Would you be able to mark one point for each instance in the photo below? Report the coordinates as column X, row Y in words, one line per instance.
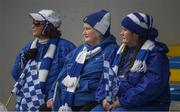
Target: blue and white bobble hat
column 100, row 21
column 140, row 24
column 47, row 15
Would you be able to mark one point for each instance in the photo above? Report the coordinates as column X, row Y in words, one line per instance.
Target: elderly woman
column 140, row 72
column 39, row 62
column 80, row 77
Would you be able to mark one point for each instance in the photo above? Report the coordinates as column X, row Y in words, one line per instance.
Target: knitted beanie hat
column 100, row 21
column 140, row 24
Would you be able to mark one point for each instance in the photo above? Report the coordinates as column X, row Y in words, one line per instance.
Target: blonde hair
column 100, row 36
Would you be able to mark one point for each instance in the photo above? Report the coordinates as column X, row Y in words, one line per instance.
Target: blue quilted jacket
column 144, row 91
column 62, row 49
column 91, row 73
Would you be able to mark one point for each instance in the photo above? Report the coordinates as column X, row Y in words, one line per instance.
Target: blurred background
column 15, row 25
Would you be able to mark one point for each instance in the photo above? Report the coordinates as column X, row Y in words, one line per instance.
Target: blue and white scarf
column 73, row 76
column 111, row 76
column 28, row 88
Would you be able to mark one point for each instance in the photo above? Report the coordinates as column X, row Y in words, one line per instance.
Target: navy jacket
column 145, row 90
column 62, row 49
column 91, row 73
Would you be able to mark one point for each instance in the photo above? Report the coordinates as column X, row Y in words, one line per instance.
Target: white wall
column 15, row 25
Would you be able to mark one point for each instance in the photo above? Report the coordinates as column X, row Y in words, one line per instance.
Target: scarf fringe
column 139, row 66
column 71, row 83
column 65, row 108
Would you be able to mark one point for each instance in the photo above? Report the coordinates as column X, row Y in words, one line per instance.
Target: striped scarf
column 73, row 76
column 28, row 88
column 111, row 76
column 45, row 64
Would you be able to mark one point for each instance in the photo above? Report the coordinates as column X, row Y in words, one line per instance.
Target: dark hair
column 141, row 41
column 52, row 31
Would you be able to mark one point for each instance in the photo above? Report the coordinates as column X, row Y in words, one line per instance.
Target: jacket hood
column 160, row 47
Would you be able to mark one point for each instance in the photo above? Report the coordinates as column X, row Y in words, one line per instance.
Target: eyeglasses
column 38, row 23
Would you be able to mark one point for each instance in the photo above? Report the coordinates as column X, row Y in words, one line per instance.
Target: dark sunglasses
column 38, row 23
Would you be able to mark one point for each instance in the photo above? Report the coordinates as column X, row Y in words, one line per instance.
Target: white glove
column 65, row 108
column 70, row 82
column 2, row 108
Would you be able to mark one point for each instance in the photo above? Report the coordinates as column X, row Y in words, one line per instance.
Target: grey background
column 15, row 25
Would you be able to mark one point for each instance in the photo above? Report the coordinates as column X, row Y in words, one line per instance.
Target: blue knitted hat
column 140, row 24
column 100, row 21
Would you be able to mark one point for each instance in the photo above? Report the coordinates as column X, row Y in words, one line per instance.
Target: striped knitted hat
column 141, row 24
column 100, row 21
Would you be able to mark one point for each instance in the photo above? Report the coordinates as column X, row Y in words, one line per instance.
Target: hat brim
column 36, row 17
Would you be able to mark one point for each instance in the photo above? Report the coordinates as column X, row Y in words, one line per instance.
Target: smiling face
column 37, row 28
column 91, row 36
column 128, row 37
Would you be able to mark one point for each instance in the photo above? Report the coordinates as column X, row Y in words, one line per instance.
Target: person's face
column 91, row 36
column 37, row 28
column 128, row 37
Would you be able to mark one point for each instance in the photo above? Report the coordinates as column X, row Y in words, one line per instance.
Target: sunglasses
column 38, row 23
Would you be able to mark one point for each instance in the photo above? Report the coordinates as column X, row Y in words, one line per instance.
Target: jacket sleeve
column 67, row 60
column 51, row 92
column 100, row 92
column 150, row 86
column 19, row 63
column 58, row 66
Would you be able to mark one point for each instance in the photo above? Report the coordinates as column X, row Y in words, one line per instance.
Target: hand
column 49, row 103
column 115, row 105
column 30, row 54
column 70, row 82
column 107, row 106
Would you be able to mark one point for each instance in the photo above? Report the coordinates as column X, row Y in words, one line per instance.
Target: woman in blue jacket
column 139, row 77
column 80, row 77
column 39, row 62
